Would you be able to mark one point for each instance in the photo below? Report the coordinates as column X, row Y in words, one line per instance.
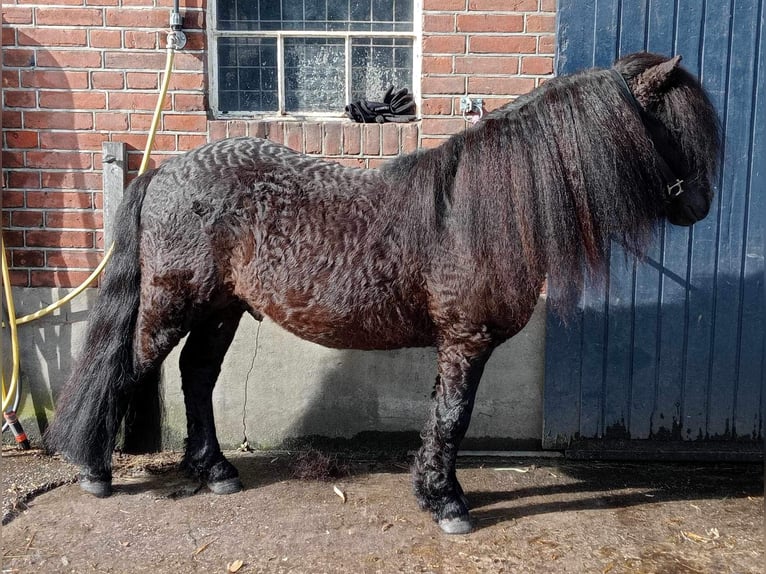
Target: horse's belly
column 392, row 327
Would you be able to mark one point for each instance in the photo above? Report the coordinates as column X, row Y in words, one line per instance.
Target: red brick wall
column 77, row 73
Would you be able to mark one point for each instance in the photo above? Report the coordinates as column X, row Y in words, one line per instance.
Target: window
column 307, row 57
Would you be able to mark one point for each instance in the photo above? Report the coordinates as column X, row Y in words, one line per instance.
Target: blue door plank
column 748, row 417
column 724, row 372
column 606, row 32
column 593, row 351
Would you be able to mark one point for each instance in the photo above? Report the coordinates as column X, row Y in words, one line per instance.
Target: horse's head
column 683, row 128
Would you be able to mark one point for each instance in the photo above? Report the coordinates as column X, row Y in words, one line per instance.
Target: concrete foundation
column 291, row 389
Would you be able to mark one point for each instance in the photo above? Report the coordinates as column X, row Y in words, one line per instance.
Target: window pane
column 247, row 74
column 314, row 74
column 376, row 64
column 315, row 15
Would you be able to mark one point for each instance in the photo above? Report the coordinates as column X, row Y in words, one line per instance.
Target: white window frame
column 213, row 34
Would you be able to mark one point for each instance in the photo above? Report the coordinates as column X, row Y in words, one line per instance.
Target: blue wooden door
column 671, row 350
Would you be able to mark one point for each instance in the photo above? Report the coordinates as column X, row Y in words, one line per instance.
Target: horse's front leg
column 435, row 482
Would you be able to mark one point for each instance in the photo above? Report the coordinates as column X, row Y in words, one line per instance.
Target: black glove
column 397, row 106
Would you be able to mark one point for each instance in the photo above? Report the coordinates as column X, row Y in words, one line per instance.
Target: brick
column 490, row 23
column 431, row 142
column 332, row 138
column 188, row 142
column 546, row 44
column 128, row 60
column 451, row 44
column 102, row 2
column 74, row 220
column 371, row 139
column 68, row 59
column 18, row 58
column 236, row 128
column 188, row 62
column 69, row 17
column 189, row 103
column 258, row 129
column 352, row 139
column 72, row 140
column 505, row 5
column 500, row 85
column 437, row 64
column 45, row 238
column 10, row 79
column 312, row 132
column 78, row 180
column 107, row 80
column 20, row 179
column 436, row 107
column 21, row 139
column 164, row 142
column 142, row 17
column 140, row 39
column 53, row 79
column 195, row 41
column 409, row 137
column 9, row 36
column 294, row 135
column 181, row 81
column 64, row 278
column 140, row 121
column 27, row 218
column 503, row 44
column 548, row 6
column 54, row 120
column 73, row 100
column 25, row 99
column 13, row 159
column 495, row 103
column 142, row 80
column 446, row 5
column 145, row 101
column 443, row 85
column 74, row 259
column 276, row 132
column 487, row 65
column 536, row 65
column 59, row 160
column 390, row 139
column 105, row 38
column 112, row 121
column 442, row 126
column 216, row 130
column 438, row 23
column 52, row 37
column 540, row 23
column 17, row 15
column 28, row 258
column 13, row 238
column 185, row 123
column 20, row 278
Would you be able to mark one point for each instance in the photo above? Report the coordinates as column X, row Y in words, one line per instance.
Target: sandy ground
column 531, row 515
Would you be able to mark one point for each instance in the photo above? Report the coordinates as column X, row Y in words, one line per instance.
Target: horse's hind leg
column 436, row 487
column 201, row 360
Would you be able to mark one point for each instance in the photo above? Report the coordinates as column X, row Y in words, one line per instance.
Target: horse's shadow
column 603, row 486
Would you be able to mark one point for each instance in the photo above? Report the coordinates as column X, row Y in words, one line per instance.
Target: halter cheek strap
column 675, row 188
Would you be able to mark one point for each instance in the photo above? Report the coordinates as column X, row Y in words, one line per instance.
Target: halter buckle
column 676, row 189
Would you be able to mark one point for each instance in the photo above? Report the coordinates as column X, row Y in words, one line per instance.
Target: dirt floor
column 531, row 515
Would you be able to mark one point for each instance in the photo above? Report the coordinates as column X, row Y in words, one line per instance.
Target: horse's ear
column 652, row 82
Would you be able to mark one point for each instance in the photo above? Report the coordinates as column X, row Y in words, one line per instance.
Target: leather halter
column 672, row 189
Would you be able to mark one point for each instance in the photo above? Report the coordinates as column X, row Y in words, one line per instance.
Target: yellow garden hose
column 10, row 393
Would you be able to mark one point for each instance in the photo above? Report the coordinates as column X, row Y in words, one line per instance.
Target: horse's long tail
column 94, row 399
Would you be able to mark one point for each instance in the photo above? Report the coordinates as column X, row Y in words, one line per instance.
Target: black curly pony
column 447, row 247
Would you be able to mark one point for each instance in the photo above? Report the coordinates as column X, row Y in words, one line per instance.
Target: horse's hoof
column 228, row 486
column 98, row 488
column 458, row 525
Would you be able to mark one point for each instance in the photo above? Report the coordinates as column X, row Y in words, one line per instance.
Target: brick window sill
column 345, row 141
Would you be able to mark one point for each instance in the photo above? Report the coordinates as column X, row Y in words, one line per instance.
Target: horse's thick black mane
column 556, row 174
